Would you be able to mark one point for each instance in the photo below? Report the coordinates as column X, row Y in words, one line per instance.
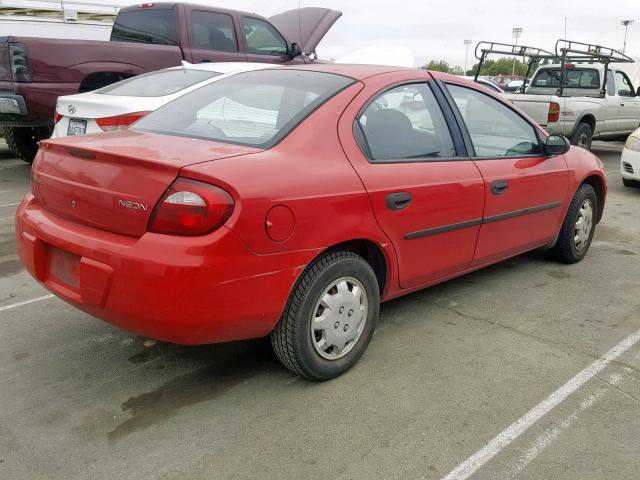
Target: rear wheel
column 330, row 317
column 630, row 183
column 578, row 226
column 582, row 136
column 23, row 141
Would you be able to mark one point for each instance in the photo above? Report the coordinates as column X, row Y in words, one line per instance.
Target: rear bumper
column 630, row 164
column 188, row 290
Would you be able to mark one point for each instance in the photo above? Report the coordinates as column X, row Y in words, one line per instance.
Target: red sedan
column 290, row 202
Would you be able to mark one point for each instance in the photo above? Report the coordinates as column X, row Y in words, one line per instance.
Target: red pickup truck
column 34, row 72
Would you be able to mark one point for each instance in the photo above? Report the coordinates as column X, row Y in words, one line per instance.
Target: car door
column 263, row 43
column 213, row 37
column 427, row 196
column 629, row 110
column 524, row 190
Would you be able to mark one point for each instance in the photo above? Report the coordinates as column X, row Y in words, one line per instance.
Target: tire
column 630, row 183
column 575, row 237
column 23, row 141
column 295, row 341
column 582, row 136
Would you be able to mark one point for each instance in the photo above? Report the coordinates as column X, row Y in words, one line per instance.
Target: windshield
column 155, row 25
column 256, row 108
column 576, row 78
column 158, row 84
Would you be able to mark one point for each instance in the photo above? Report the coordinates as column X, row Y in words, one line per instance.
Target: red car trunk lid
column 113, row 181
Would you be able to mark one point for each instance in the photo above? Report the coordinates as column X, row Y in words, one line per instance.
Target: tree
column 501, row 66
column 437, row 66
column 457, row 70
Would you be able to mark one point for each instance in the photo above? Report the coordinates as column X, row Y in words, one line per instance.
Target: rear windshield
column 576, row 78
column 158, row 84
column 146, row 26
column 256, row 108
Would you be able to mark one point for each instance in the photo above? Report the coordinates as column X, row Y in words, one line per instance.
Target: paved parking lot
column 448, row 370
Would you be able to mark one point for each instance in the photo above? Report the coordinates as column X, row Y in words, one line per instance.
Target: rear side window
column 214, row 31
column 405, row 123
column 576, row 78
column 158, row 84
column 256, row 108
column 156, row 26
column 262, row 38
column 495, row 129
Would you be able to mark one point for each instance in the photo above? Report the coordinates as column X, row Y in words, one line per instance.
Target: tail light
column 190, row 207
column 19, row 62
column 57, row 117
column 109, row 124
column 554, row 112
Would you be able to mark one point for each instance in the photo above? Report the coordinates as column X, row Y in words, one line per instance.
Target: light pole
column 466, row 54
column 515, row 32
column 625, row 24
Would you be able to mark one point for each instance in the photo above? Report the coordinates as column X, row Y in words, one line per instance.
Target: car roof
column 355, row 71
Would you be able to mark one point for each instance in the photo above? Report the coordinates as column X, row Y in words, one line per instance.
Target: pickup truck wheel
column 582, row 136
column 23, row 141
column 630, row 183
column 578, row 226
column 330, row 317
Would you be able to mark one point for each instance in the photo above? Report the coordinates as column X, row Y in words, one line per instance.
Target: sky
column 436, row 29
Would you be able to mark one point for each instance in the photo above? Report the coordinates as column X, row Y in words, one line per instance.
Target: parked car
column 516, row 85
column 291, row 201
column 487, row 83
column 118, row 105
column 581, row 113
column 630, row 161
column 34, row 72
column 503, row 80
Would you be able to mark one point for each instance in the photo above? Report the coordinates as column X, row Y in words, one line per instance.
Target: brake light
column 119, row 122
column 569, row 65
column 19, row 62
column 190, row 207
column 554, row 112
column 57, row 117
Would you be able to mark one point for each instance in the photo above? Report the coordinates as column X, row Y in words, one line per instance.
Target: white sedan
column 630, row 161
column 119, row 105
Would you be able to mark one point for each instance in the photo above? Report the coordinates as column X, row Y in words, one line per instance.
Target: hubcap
column 583, row 225
column 339, row 318
column 583, row 141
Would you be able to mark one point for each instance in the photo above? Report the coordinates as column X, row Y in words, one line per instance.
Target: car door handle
column 622, row 104
column 498, row 187
column 398, row 200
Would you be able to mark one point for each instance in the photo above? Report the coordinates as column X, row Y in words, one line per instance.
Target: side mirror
column 556, row 145
column 295, row 50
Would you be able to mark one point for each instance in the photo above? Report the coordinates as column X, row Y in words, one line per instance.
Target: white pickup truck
column 584, row 110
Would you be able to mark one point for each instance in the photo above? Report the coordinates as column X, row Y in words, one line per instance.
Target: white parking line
column 517, row 428
column 25, row 302
column 10, row 204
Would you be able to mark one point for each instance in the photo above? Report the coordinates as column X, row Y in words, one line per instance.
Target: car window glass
column 146, row 26
column 625, row 89
column 404, row 123
column 575, row 78
column 255, row 108
column 214, row 31
column 495, row 129
column 262, row 38
column 158, row 84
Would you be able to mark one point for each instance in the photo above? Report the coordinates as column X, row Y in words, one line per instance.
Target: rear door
column 524, row 190
column 426, row 194
column 213, row 37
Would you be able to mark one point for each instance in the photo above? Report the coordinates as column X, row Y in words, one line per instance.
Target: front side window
column 495, row 129
column 214, row 31
column 262, row 38
column 158, row 84
column 156, row 26
column 405, row 123
column 625, row 89
column 575, row 78
column 256, row 108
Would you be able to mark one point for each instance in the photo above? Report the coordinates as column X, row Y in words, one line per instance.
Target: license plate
column 77, row 126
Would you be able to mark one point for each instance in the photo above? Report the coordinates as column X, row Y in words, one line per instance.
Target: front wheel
column 578, row 226
column 330, row 317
